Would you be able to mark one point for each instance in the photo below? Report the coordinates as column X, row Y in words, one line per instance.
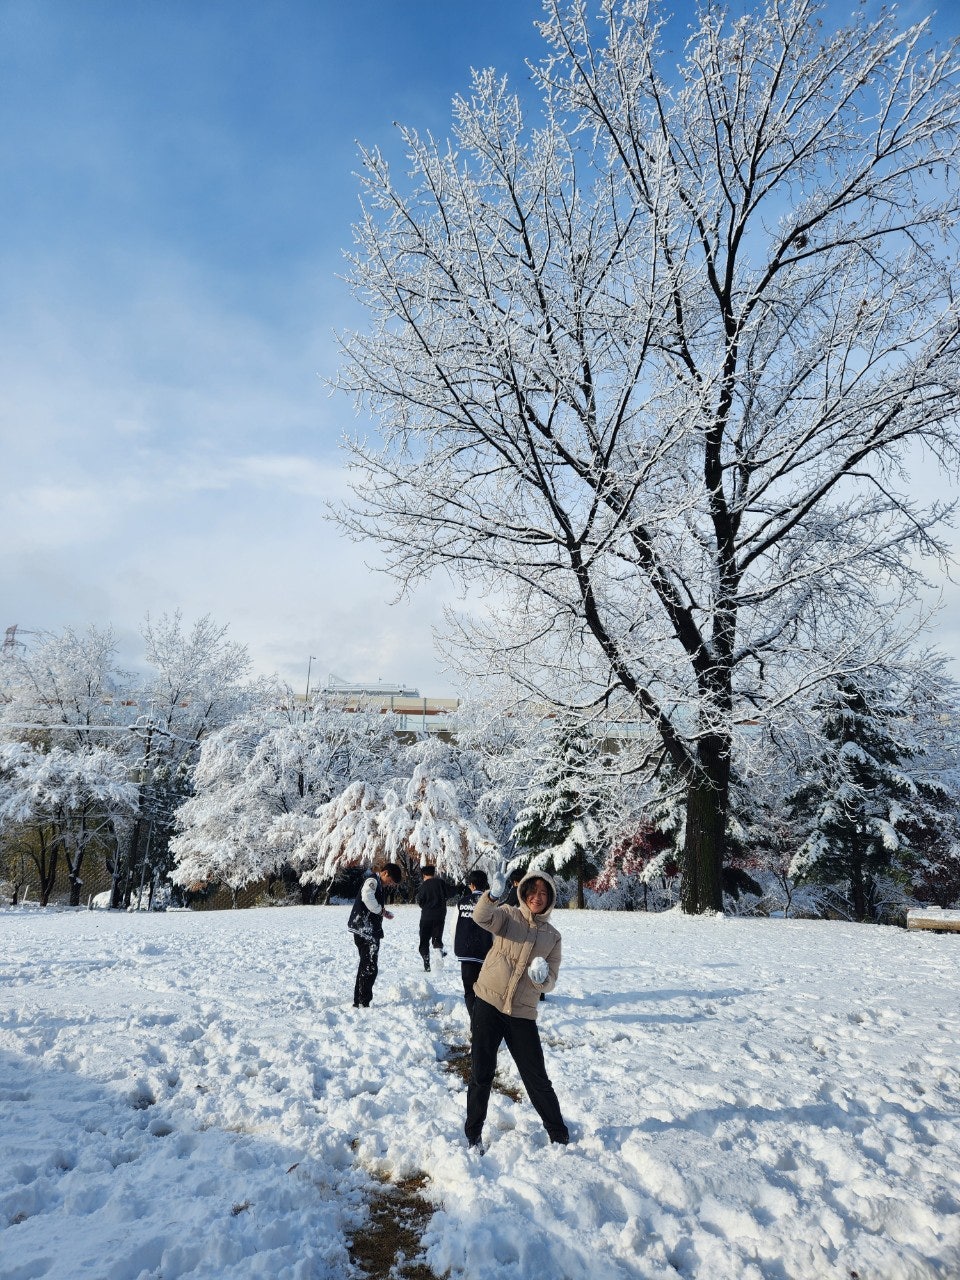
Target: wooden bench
column 938, row 918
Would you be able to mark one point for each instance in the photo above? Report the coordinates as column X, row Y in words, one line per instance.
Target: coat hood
column 548, row 881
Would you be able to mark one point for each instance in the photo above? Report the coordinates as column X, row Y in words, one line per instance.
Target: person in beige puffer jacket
column 522, row 963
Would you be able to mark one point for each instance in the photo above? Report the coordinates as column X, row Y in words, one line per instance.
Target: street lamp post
column 309, row 665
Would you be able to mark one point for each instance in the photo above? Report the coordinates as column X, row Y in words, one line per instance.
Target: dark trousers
column 469, row 972
column 490, row 1027
column 367, row 969
column 431, row 932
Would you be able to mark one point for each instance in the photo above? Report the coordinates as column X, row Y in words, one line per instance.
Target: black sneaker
column 476, row 1145
column 562, row 1139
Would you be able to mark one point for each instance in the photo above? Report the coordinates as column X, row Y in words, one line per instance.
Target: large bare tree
column 651, row 372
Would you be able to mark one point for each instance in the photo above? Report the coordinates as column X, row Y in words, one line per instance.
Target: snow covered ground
column 193, row 1095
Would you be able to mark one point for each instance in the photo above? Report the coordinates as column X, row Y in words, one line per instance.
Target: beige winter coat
column 518, row 937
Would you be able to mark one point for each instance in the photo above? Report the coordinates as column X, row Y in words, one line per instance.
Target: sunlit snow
column 192, row 1094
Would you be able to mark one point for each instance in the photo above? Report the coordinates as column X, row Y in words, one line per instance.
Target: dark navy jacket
column 470, row 942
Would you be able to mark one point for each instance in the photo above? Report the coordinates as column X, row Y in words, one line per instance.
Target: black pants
column 490, row 1027
column 367, row 969
column 431, row 933
column 469, row 972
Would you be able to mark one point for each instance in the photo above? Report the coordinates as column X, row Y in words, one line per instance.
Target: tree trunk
column 73, row 874
column 857, row 886
column 75, row 862
column 122, row 880
column 46, row 866
column 706, row 823
column 123, row 876
column 18, row 877
column 120, row 865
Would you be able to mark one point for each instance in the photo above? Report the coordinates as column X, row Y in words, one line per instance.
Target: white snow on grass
column 192, row 1094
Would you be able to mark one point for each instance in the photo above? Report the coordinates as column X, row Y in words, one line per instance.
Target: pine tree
column 858, row 799
column 558, row 821
column 932, row 703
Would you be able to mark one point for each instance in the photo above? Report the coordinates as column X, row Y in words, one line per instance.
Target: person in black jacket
column 366, row 924
column 510, row 898
column 470, row 942
column 432, row 901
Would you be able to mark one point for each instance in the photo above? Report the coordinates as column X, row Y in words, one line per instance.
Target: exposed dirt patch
column 457, row 1061
column 388, row 1247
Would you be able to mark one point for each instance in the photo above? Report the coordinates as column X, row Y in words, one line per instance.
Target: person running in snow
column 366, row 925
column 432, row 901
column 523, row 961
column 470, row 942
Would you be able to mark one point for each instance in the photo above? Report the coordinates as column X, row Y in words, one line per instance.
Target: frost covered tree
column 259, row 782
column 766, row 835
column 424, row 817
column 498, row 737
column 651, row 370
column 66, row 783
column 864, row 797
column 468, row 797
column 68, row 688
column 196, row 682
column 70, row 801
column 423, row 822
column 345, row 832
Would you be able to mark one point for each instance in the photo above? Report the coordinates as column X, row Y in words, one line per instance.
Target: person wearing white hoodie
column 522, row 964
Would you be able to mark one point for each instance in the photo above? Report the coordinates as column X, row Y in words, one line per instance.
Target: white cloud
column 278, row 473
column 167, row 440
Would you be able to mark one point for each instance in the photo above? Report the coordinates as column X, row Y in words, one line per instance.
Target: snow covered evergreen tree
column 763, row 835
column 861, row 804
column 557, row 826
column 931, row 720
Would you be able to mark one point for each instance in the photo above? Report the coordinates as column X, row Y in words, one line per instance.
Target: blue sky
column 178, row 188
